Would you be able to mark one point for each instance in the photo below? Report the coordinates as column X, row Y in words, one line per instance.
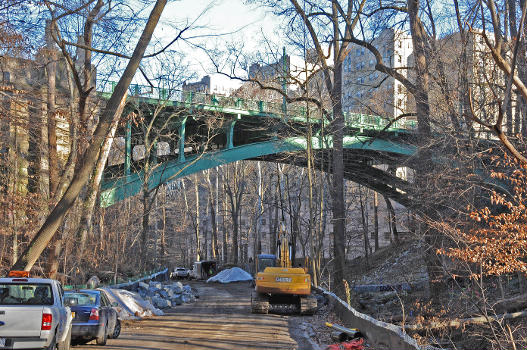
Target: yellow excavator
column 280, row 285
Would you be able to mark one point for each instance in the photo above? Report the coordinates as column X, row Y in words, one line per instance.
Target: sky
column 224, row 20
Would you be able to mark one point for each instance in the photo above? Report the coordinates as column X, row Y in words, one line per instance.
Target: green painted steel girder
column 114, row 191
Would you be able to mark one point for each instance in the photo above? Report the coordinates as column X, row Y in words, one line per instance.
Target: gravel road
column 219, row 319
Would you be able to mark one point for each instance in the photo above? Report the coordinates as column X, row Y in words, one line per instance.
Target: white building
column 368, row 91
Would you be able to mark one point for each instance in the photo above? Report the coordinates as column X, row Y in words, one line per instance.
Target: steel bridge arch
column 115, row 190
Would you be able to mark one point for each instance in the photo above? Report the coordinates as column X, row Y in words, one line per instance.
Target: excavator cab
column 265, row 260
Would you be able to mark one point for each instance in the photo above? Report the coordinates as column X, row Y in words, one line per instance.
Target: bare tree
column 113, row 110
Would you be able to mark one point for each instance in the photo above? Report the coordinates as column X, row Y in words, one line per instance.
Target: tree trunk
column 214, row 242
column 198, row 242
column 52, row 124
column 224, row 229
column 339, row 209
column 112, row 110
column 376, row 219
column 424, row 156
column 91, row 197
column 145, row 223
column 392, row 220
column 364, row 219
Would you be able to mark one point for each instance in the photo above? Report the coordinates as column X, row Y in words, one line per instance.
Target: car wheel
column 116, row 330
column 102, row 338
column 66, row 344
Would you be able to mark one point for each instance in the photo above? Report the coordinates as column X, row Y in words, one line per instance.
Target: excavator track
column 308, row 305
column 259, row 303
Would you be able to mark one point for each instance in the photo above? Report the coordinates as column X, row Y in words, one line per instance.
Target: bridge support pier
column 230, row 133
column 181, row 156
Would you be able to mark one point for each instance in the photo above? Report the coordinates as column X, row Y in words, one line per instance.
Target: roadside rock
column 163, row 296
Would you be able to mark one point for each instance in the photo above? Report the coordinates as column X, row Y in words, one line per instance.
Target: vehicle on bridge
column 94, row 317
column 32, row 313
column 279, row 284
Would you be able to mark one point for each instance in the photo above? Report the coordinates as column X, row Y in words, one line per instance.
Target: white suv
column 180, row 272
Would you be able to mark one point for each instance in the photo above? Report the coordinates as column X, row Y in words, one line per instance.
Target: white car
column 32, row 314
column 181, row 272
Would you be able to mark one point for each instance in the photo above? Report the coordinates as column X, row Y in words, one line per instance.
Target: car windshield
column 80, row 299
column 180, row 269
column 26, row 294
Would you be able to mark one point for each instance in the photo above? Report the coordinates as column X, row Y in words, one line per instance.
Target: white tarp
column 231, row 275
column 132, row 305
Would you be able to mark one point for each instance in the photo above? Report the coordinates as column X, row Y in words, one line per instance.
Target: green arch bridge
column 200, row 131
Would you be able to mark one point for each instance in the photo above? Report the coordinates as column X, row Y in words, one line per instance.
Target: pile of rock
column 164, row 296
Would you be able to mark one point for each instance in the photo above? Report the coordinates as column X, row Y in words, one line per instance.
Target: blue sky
column 230, row 18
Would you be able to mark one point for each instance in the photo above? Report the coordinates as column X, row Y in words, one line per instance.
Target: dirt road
column 220, row 319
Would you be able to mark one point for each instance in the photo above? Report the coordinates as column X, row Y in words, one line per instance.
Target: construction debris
column 163, row 296
column 150, row 298
column 355, row 344
column 345, row 333
column 231, row 275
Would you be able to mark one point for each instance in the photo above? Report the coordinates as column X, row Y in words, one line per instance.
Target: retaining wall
column 378, row 333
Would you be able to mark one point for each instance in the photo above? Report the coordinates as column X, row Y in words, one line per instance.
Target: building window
column 6, row 77
column 372, row 63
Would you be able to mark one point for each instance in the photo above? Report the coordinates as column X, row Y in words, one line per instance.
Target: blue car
column 93, row 316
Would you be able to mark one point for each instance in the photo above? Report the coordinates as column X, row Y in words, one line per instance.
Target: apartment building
column 468, row 68
column 368, row 91
column 216, row 84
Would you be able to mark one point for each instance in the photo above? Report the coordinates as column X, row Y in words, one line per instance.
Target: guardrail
column 123, row 282
column 220, row 102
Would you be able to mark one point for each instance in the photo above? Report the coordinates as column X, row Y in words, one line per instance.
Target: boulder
column 156, row 285
column 143, row 285
column 177, row 287
column 177, row 299
column 160, row 302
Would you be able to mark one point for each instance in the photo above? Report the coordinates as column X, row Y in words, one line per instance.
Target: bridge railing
column 377, row 122
column 191, row 98
column 200, row 98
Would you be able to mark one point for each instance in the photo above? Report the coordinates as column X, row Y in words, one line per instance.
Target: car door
column 61, row 312
column 111, row 315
